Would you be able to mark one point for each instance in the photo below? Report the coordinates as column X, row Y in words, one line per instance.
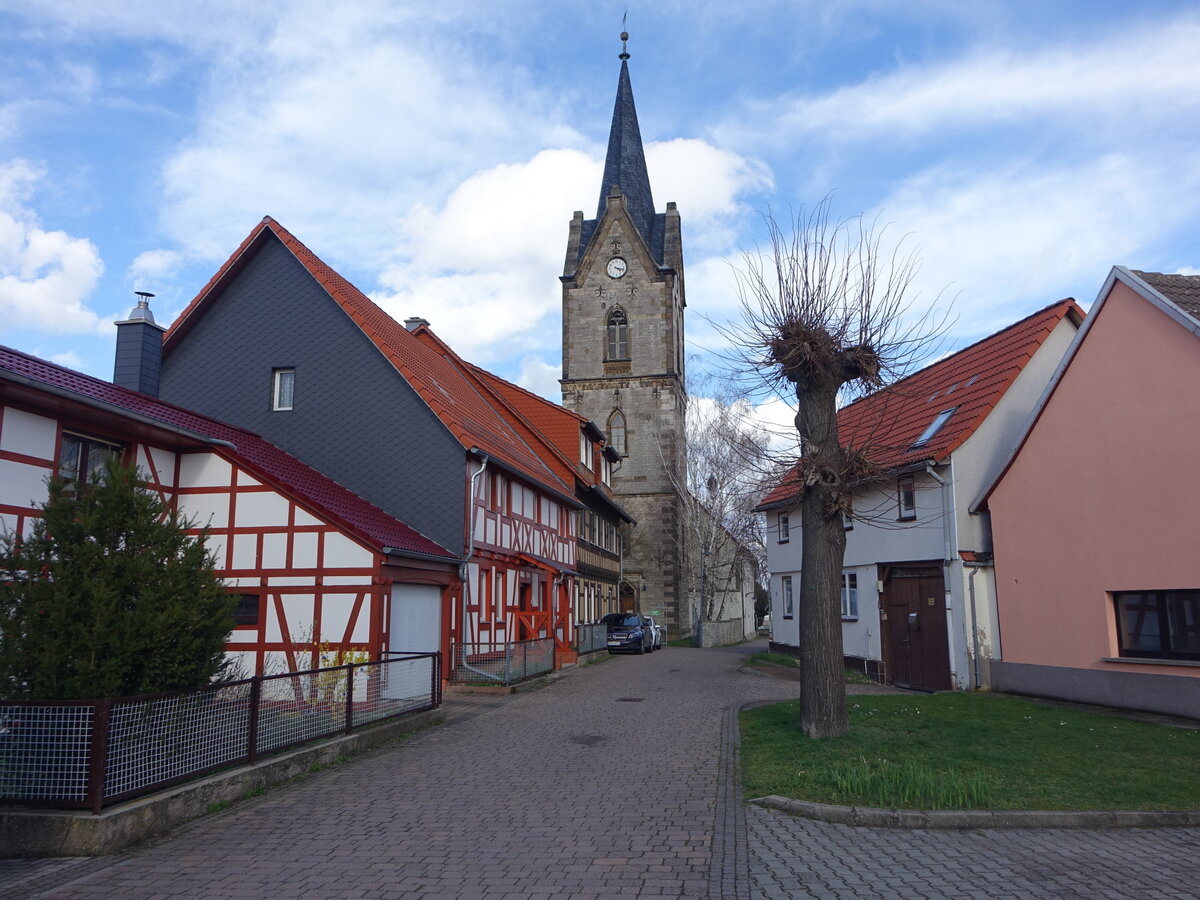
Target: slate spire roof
column 889, row 424
column 625, row 164
column 320, row 493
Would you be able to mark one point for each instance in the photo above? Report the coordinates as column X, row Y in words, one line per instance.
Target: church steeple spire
column 625, row 164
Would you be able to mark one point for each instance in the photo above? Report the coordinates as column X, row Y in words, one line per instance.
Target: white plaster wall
column 205, row 510
column 303, row 518
column 879, row 536
column 274, row 550
column 981, row 456
column 204, row 470
column 335, row 613
column 261, row 509
column 22, row 484
column 28, row 434
column 245, row 551
column 343, row 553
column 304, row 550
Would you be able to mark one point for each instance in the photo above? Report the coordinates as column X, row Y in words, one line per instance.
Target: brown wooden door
column 915, row 628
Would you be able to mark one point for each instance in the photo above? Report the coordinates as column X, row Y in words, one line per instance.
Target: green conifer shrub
column 108, row 596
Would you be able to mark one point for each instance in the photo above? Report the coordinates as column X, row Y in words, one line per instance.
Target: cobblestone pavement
column 801, row 858
column 618, row 780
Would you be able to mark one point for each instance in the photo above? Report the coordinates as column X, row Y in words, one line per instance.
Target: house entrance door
column 918, row 651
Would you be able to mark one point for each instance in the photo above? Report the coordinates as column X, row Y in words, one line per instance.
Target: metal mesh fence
column 502, row 664
column 44, row 752
column 161, row 739
column 90, row 753
column 591, row 638
column 301, row 706
column 403, row 685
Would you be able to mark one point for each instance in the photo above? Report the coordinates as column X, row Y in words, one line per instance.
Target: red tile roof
column 546, row 426
column 447, row 391
column 971, row 382
column 325, row 497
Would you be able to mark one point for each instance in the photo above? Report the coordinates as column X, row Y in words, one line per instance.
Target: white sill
column 1147, row 661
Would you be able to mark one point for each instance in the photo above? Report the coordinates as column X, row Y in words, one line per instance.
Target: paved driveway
column 615, row 781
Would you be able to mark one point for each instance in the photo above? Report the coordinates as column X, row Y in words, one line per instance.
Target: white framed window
column 585, row 450
column 849, row 595
column 848, row 514
column 785, row 529
column 906, row 498
column 606, row 470
column 283, row 388
column 789, row 605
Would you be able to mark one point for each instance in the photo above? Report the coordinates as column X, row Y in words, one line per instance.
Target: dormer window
column 585, row 450
column 617, row 334
column 935, row 426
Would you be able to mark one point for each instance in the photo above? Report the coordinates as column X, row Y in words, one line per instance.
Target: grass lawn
column 971, row 751
column 782, row 659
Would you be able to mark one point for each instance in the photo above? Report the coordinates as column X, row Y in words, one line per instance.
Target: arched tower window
column 616, row 431
column 617, row 329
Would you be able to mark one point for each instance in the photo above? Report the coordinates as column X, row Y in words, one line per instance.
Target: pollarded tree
column 825, row 316
column 108, row 596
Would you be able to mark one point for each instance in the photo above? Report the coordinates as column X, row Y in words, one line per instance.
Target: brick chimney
column 139, row 349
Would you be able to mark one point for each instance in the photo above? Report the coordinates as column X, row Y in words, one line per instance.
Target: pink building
column 1097, row 553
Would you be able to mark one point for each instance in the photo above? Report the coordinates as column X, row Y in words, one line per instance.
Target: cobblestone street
column 615, row 781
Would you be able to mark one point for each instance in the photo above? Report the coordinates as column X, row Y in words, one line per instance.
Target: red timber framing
column 521, row 577
column 308, row 583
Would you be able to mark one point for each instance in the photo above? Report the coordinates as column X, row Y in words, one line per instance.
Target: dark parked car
column 627, row 634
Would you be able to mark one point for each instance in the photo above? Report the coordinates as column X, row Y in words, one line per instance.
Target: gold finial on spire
column 624, row 37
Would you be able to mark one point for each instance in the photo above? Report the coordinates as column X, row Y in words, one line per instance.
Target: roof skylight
column 935, row 426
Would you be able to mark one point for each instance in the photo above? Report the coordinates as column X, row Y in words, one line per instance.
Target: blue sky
column 434, row 153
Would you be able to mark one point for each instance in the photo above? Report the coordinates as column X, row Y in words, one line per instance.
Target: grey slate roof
column 1182, row 290
column 625, row 165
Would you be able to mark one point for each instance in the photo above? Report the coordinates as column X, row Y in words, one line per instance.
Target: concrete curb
column 974, row 819
column 26, row 833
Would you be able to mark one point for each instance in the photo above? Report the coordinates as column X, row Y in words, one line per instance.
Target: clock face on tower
column 616, row 267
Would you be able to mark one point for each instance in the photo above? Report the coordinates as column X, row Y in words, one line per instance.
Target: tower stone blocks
column 623, row 361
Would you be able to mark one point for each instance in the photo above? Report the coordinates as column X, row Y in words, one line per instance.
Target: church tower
column 623, row 359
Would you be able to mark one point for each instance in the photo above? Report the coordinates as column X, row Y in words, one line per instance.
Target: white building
column 918, row 605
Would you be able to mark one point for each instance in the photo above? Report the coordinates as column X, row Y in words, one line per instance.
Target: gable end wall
column 355, row 418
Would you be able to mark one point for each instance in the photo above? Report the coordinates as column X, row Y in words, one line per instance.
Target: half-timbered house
column 318, row 571
column 280, row 343
column 579, row 453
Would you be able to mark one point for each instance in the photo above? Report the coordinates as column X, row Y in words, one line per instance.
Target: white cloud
column 541, row 378
column 1011, row 240
column 483, row 269
column 68, row 358
column 153, row 265
column 340, row 122
column 708, row 184
column 45, row 276
column 1131, row 73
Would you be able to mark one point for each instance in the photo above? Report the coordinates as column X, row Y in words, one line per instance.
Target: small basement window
column 935, row 426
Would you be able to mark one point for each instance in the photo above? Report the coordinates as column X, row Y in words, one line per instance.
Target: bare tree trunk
column 822, row 676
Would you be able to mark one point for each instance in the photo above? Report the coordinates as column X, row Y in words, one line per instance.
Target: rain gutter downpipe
column 464, row 570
